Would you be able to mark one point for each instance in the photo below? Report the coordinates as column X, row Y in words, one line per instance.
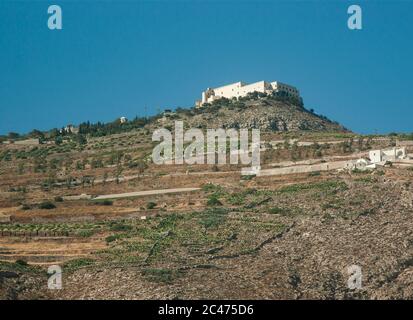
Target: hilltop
column 264, row 112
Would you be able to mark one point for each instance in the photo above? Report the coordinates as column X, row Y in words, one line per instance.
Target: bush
column 248, row 177
column 212, row 218
column 103, row 203
column 151, row 205
column 160, row 275
column 278, row 210
column 58, row 199
column 112, row 238
column 21, row 262
column 78, row 263
column 84, row 233
column 47, row 205
column 26, row 207
column 213, row 201
column 120, row 227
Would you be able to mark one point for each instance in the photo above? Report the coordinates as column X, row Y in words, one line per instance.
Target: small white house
column 123, row 119
column 387, row 155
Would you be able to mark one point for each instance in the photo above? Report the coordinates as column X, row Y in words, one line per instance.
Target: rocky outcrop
column 262, row 113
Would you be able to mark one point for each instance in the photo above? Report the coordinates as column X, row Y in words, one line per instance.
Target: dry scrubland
column 275, row 237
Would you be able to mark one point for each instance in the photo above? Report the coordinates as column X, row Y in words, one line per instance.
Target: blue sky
column 127, row 58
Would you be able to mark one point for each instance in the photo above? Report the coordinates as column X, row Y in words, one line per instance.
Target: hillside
column 94, row 205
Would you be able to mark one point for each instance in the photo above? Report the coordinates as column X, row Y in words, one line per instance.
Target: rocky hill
column 265, row 113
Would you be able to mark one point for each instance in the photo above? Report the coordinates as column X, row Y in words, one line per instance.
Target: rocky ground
column 266, row 114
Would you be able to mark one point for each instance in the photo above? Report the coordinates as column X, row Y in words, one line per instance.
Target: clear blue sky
column 127, row 58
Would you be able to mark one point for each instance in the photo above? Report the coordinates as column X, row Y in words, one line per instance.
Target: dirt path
column 144, row 193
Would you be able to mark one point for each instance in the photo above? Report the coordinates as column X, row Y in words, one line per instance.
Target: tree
column 20, row 169
column 118, row 172
column 13, row 135
column 79, row 165
column 39, row 164
column 84, row 163
column 54, row 133
column 105, row 178
column 81, row 139
column 68, row 163
column 360, row 143
column 350, row 144
column 317, row 150
column 69, row 180
column 97, row 163
column 53, row 164
column 142, row 166
column 51, row 179
column 58, row 140
column 295, row 151
column 368, row 143
column 36, row 134
column 286, row 144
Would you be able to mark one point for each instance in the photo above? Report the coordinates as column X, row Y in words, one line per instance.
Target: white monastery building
column 241, row 89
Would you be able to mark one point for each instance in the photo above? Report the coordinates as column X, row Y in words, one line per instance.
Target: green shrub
column 103, row 203
column 160, row 275
column 78, row 263
column 210, row 187
column 47, row 205
column 58, row 199
column 319, row 186
column 113, row 238
column 248, row 177
column 278, row 210
column 21, row 262
column 120, row 227
column 85, row 233
column 150, row 205
column 236, row 198
column 212, row 218
column 25, row 207
column 358, row 171
column 213, row 201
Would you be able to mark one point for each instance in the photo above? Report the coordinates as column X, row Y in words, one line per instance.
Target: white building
column 123, row 119
column 387, row 155
column 241, row 89
column 378, row 158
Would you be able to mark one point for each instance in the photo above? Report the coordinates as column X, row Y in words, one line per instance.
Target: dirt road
column 144, row 193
